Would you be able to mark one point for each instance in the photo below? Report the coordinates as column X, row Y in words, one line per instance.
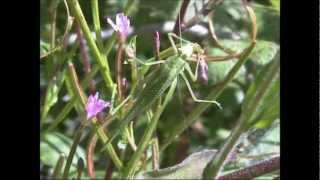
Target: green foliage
column 148, row 84
column 190, row 168
column 53, row 144
column 267, row 109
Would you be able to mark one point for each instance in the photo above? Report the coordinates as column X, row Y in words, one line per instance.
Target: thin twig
column 256, row 170
column 90, row 155
column 119, row 71
column 109, row 171
column 85, row 57
column 182, row 13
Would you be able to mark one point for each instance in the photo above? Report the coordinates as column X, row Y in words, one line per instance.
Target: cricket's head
column 197, row 49
column 189, row 49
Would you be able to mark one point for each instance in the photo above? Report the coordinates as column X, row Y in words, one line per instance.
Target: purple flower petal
column 123, row 24
column 95, row 105
column 203, row 71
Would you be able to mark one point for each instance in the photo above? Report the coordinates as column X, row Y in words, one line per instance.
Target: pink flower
column 95, row 105
column 122, row 24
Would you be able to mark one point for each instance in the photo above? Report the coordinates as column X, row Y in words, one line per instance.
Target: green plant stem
column 96, row 22
column 143, row 144
column 214, row 94
column 110, row 150
column 100, row 58
column 73, row 149
column 155, row 153
column 215, row 166
column 98, row 129
column 145, row 140
column 57, row 169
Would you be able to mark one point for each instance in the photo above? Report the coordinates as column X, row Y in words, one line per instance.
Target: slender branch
column 109, row 171
column 180, row 17
column 85, row 57
column 80, row 167
column 73, row 149
column 215, row 166
column 57, row 170
column 256, row 170
column 90, row 155
column 119, row 71
column 100, row 58
column 214, row 37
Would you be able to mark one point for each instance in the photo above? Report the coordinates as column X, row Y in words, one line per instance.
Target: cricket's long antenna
column 180, row 29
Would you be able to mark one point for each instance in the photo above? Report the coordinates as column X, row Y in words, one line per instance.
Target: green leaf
column 52, row 94
column 262, row 54
column 191, row 168
column 268, row 106
column 270, row 110
column 53, row 144
column 276, row 4
column 217, row 71
column 44, row 47
column 261, row 142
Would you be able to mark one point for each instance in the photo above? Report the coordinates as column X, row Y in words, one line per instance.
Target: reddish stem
column 85, row 57
column 119, row 71
column 90, row 155
column 263, row 167
column 182, row 13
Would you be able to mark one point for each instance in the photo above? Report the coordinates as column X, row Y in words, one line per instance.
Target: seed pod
column 203, row 71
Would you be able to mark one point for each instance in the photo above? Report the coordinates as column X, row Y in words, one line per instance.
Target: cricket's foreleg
column 194, row 76
column 193, row 95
